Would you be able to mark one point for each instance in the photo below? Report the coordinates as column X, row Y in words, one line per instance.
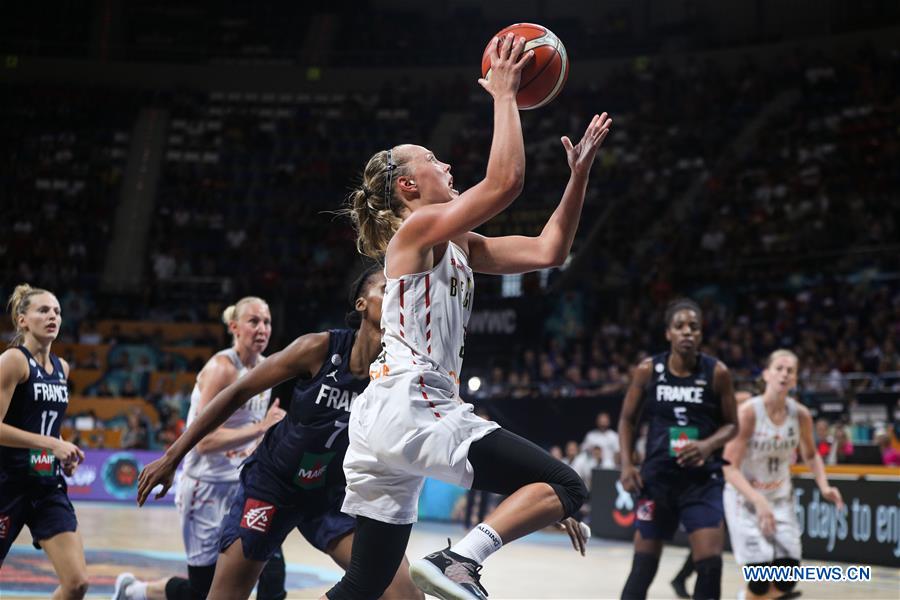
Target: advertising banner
column 113, row 475
column 865, row 531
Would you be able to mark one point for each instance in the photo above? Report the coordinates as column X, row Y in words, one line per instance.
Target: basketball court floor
column 148, row 543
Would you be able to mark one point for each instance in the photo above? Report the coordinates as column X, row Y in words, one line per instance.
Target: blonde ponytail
column 17, row 305
column 372, row 207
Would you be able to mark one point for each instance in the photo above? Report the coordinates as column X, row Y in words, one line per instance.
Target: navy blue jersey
column 680, row 409
column 38, row 406
column 306, row 450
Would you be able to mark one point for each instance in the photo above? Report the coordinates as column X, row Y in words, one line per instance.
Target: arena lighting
column 474, row 384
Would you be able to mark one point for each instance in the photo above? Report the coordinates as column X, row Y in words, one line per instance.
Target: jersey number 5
column 680, row 415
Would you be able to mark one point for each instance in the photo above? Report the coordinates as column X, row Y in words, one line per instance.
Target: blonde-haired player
column 211, row 470
column 33, row 399
column 758, row 496
column 410, row 422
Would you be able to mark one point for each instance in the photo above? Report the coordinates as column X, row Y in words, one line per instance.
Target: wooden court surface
column 543, row 565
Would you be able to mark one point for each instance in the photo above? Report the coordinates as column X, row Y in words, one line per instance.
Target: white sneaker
column 122, row 583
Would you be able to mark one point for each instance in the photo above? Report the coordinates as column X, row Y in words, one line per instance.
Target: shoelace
column 475, row 572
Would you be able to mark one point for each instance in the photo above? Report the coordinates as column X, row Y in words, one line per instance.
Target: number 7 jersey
column 680, row 410
column 37, row 406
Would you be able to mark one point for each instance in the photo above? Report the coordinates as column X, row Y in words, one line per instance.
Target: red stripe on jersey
column 402, row 292
column 427, row 290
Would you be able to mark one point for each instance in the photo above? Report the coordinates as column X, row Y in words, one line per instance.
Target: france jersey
column 680, row 410
column 32, row 489
column 294, row 479
column 306, row 449
column 37, row 406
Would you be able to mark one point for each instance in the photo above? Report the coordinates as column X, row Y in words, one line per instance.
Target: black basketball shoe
column 448, row 576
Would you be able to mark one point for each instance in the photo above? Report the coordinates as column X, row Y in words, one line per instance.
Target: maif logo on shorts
column 311, row 473
column 258, row 515
column 4, row 527
column 645, row 510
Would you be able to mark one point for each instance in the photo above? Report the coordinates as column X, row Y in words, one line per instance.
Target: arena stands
column 248, row 180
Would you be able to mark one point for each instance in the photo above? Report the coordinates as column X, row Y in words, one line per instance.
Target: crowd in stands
column 62, row 162
column 837, row 329
column 816, row 184
column 834, row 442
column 248, row 178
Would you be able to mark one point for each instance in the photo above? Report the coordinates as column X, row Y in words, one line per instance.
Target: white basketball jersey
column 226, row 466
column 771, row 450
column 424, row 318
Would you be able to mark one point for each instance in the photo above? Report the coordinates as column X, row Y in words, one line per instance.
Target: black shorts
column 692, row 497
column 265, row 511
column 44, row 507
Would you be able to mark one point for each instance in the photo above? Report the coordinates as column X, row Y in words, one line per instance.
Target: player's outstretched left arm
column 813, row 460
column 694, row 454
column 295, row 360
column 520, row 254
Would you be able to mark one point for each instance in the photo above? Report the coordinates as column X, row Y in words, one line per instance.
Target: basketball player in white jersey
column 212, row 469
column 758, row 496
column 410, row 422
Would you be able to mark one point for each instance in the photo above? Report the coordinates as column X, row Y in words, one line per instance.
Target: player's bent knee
column 709, row 577
column 643, row 570
column 76, row 587
column 571, row 490
column 758, row 588
column 786, row 586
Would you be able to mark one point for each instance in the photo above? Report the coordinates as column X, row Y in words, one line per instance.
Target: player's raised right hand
column 631, row 479
column 507, row 62
column 160, row 471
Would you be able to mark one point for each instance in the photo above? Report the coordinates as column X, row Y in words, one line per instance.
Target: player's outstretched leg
column 541, row 490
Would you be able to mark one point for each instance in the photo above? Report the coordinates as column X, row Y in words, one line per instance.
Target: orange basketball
column 545, row 75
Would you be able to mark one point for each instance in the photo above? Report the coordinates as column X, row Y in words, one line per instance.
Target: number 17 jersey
column 38, row 405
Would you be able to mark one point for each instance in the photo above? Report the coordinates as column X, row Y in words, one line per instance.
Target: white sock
column 479, row 543
column 137, row 591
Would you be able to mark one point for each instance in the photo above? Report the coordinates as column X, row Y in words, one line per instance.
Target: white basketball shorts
column 404, row 428
column 748, row 543
column 202, row 507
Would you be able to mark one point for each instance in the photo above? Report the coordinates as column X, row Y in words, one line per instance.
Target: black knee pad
column 195, row 588
column 709, row 578
column 759, row 588
column 786, row 586
column 643, row 570
column 571, row 490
